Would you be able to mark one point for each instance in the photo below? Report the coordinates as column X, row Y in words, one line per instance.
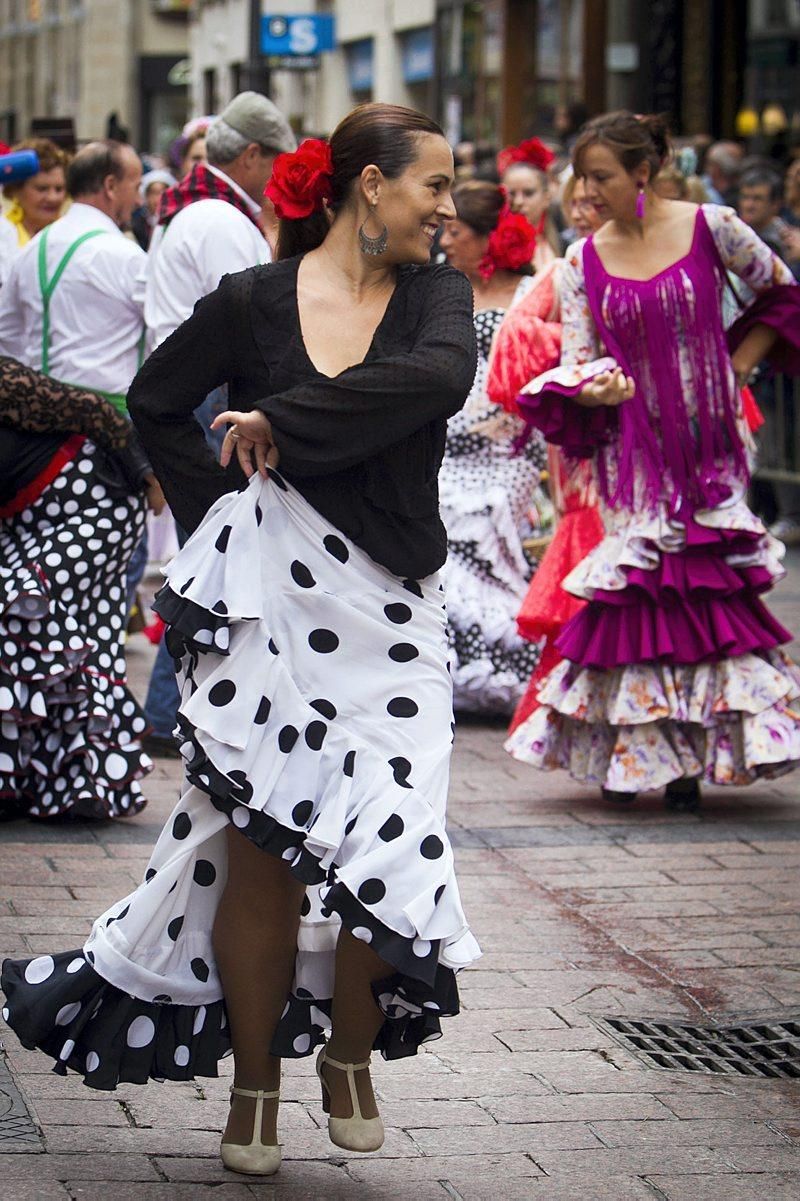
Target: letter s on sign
column 302, row 36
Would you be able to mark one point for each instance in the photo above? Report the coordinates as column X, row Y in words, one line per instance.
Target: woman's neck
column 342, row 257
column 496, row 291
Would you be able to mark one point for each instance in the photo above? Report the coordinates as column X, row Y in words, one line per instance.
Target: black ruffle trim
column 199, row 629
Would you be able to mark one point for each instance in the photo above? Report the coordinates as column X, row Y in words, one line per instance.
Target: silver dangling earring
column 376, row 245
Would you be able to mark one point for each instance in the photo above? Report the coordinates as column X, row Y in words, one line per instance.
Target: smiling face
column 415, row 204
column 610, row 189
column 41, row 198
column 528, row 191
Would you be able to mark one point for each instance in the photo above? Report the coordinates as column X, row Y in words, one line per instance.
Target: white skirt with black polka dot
column 316, row 716
column 69, row 736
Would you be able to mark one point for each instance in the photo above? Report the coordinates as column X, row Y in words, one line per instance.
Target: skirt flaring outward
column 674, row 668
column 316, row 718
column 69, row 728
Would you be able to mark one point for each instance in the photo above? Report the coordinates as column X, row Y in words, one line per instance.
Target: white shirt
column 9, row 247
column 186, row 261
column 96, row 311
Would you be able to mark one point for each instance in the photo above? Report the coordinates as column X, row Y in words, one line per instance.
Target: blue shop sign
column 297, row 35
column 360, row 71
column 418, row 55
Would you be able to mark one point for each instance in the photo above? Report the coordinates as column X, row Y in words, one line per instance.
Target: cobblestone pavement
column 583, row 911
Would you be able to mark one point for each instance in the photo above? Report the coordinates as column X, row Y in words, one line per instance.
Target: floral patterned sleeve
column 743, row 252
column 36, row 403
column 548, row 402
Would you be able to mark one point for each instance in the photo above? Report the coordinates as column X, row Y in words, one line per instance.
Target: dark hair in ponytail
column 632, row 139
column 383, row 134
column 479, row 204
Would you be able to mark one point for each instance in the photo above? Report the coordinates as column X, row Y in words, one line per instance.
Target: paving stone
column 49, row 1167
column 440, row 1167
column 87, row 1191
column 529, row 1137
column 590, row 1108
column 19, row 1190
column 761, row 1186
column 616, row 1188
column 713, row 1132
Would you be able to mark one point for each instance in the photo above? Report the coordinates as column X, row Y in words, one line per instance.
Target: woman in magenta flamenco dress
column 672, row 673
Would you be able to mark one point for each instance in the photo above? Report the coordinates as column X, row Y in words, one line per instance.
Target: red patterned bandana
column 201, row 184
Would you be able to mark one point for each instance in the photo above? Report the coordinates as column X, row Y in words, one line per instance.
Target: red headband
column 532, row 152
column 301, row 182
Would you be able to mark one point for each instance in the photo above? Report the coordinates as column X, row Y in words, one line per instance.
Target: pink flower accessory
column 531, row 152
column 511, row 244
column 301, row 182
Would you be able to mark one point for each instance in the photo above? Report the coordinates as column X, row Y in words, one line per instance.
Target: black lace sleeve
column 40, row 405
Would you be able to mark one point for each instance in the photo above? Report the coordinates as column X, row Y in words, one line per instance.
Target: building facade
column 87, row 59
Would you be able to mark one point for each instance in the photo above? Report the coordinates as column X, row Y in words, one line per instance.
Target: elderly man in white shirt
column 72, row 303
column 209, row 225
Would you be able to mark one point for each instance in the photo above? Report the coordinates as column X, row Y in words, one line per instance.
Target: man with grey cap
column 209, row 223
column 208, row 226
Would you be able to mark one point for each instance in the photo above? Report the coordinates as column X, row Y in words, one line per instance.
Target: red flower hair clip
column 301, row 182
column 511, row 244
column 533, row 152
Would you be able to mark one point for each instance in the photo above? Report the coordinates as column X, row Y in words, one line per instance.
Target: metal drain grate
column 742, row 1048
column 17, row 1130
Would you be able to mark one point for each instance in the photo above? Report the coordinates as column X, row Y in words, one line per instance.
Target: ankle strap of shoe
column 357, row 1067
column 257, row 1093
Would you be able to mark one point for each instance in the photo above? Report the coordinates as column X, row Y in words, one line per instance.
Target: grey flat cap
column 255, row 117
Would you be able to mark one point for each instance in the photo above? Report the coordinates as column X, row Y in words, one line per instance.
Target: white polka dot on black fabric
column 334, row 546
column 432, row 847
column 223, row 538
column 287, row 738
column 222, row 693
column 371, row 891
column 301, row 575
column 204, row 873
column 182, row 826
column 262, row 713
column 323, row 641
column 398, row 613
column 402, row 706
column 141, row 1032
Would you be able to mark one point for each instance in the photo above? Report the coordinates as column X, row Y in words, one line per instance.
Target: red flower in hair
column 511, row 244
column 301, row 181
column 533, row 152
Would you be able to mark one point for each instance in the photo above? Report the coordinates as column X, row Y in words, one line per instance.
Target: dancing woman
column 485, row 491
column 305, row 881
column 672, row 673
column 72, row 509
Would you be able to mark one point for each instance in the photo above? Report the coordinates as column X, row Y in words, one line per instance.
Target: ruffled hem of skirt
column 69, row 744
column 639, row 728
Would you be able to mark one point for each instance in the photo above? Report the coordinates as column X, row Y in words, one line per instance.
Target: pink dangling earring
column 640, row 203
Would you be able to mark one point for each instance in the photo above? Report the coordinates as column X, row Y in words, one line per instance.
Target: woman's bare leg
column 356, row 1020
column 255, row 946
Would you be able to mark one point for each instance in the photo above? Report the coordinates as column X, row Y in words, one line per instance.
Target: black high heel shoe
column 618, row 798
column 683, row 796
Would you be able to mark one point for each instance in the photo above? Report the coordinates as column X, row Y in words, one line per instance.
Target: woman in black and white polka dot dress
column 71, row 511
column 485, row 489
column 306, row 615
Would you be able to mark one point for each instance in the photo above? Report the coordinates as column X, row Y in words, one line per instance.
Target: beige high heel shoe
column 356, row 1133
column 254, row 1158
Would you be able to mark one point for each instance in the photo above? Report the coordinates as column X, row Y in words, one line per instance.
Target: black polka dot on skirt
column 302, row 812
column 287, row 738
column 325, row 708
column 402, row 770
column 301, row 575
column 413, row 587
column 262, row 712
column 276, row 479
column 349, row 766
column 204, row 873
column 200, row 969
column 398, row 613
column 222, row 539
column 371, row 891
column 392, row 828
column 324, row 642
column 402, row 706
column 272, row 648
column 259, row 515
column 351, row 825
column 182, row 826
column 334, row 546
column 174, row 928
column 220, row 607
column 403, row 652
column 432, row 847
column 222, row 693
column 305, row 907
column 148, row 875
column 437, row 896
column 315, row 735
column 185, row 587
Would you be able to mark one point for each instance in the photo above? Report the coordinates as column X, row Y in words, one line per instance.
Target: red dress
column 527, row 343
